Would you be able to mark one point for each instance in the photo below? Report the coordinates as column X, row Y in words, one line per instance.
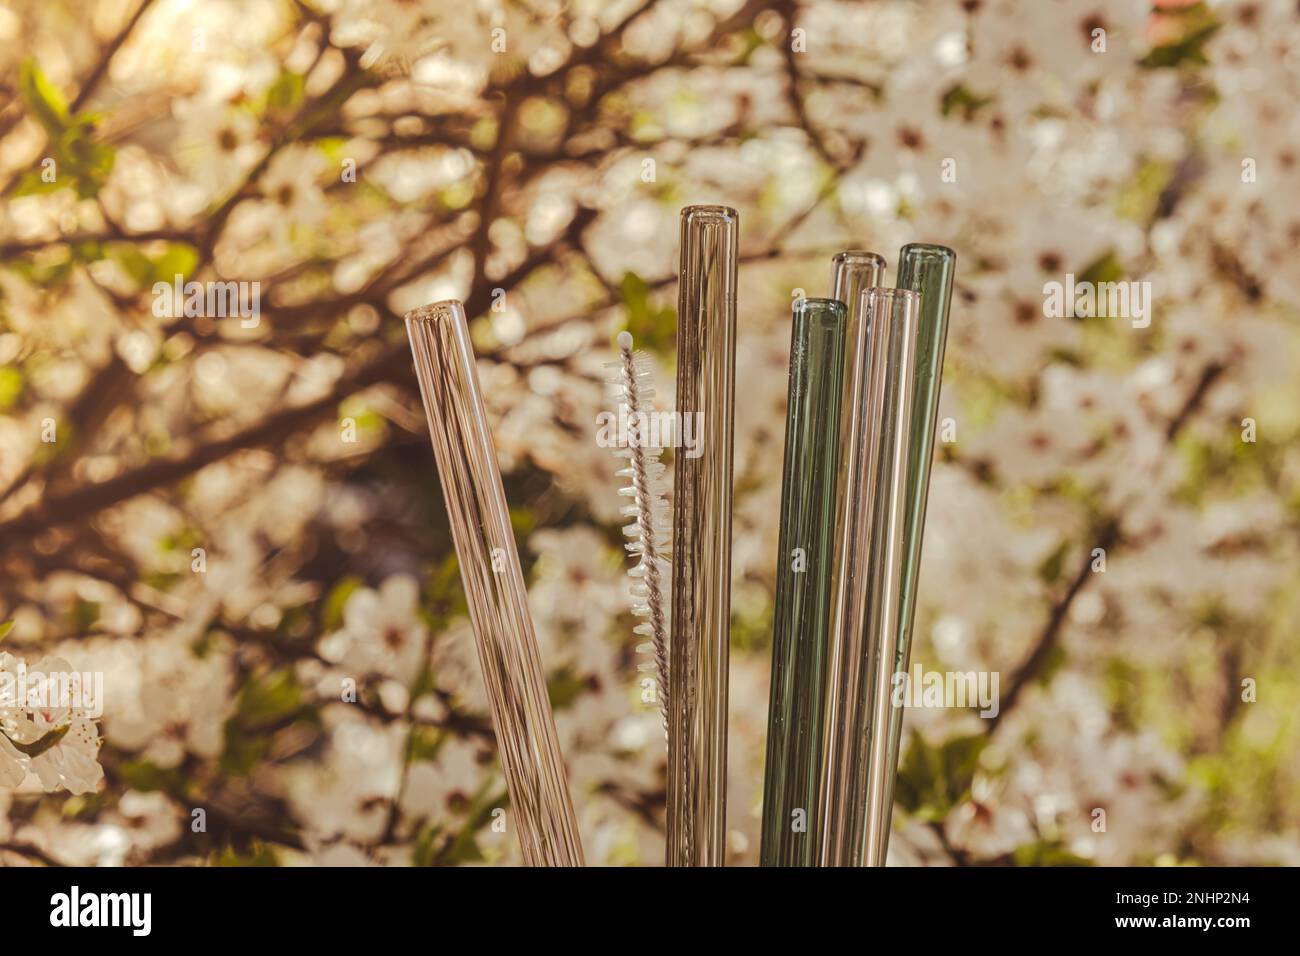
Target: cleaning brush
column 647, row 534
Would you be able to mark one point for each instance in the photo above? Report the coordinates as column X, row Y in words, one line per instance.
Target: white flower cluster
column 43, row 730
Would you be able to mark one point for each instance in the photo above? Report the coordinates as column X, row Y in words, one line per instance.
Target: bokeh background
column 358, row 159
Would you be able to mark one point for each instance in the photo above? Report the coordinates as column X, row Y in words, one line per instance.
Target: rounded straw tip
column 832, row 308
column 858, row 256
column 435, row 311
column 624, row 340
column 709, row 213
column 927, row 250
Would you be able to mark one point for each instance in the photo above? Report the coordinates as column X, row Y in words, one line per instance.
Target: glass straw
column 929, row 270
column 494, row 585
column 853, row 272
column 868, row 560
column 701, row 615
column 887, row 553
column 803, row 584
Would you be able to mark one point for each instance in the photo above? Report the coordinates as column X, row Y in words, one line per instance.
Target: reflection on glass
column 803, row 582
column 701, row 606
column 928, row 270
column 540, row 809
column 868, row 563
column 852, row 273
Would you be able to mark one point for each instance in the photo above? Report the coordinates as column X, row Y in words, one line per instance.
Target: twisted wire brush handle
column 647, row 532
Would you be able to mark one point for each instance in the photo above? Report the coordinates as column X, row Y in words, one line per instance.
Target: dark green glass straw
column 803, row 584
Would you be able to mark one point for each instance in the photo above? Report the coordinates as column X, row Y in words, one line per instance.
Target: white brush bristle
column 648, row 537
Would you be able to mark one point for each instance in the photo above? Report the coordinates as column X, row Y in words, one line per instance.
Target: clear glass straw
column 701, row 603
column 803, row 584
column 868, row 561
column 494, row 586
column 853, row 272
column 929, row 270
column 885, row 558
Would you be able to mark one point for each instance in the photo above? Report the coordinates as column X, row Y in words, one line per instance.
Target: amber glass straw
column 697, row 668
column 929, row 270
column 853, row 272
column 803, row 584
column 871, row 555
column 494, row 586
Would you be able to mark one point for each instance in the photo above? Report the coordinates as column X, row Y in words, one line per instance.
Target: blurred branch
column 31, row 852
column 1107, row 538
column 794, row 95
column 90, row 84
column 392, row 363
column 92, row 81
column 21, row 247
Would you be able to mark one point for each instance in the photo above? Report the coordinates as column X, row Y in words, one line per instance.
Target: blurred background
column 232, row 519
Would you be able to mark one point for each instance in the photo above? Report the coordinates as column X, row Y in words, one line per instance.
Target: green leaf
column 961, row 101
column 31, row 183
column 38, row 747
column 934, row 780
column 564, row 687
column 80, row 162
column 1107, row 268
column 464, row 848
column 43, row 99
column 180, row 259
column 434, row 848
column 1053, row 662
column 1139, row 199
column 522, row 522
column 242, row 751
column 1049, row 571
column 88, row 162
column 1044, row 853
column 334, row 148
column 260, row 854
column 653, row 329
column 426, row 846
column 85, row 614
column 270, row 698
column 444, row 595
column 331, row 618
column 146, row 775
column 425, row 742
column 1198, row 24
column 751, row 628
column 11, row 387
column 367, row 420
column 286, row 92
column 137, row 266
column 49, row 269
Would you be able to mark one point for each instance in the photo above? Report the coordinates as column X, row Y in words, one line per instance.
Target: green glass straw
column 803, row 584
column 927, row 269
